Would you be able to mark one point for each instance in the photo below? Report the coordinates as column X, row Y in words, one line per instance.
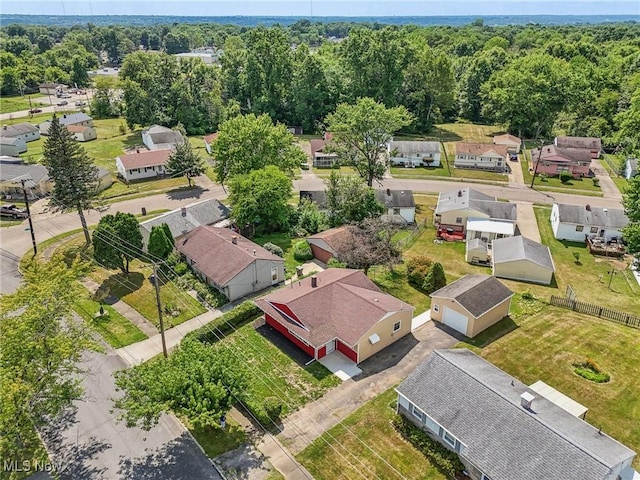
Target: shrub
column 417, row 269
column 527, row 295
column 273, row 248
column 435, row 279
column 444, row 459
column 230, row 321
column 596, row 182
column 302, row 251
column 335, row 263
column 181, row 268
column 576, row 257
column 272, row 407
column 565, row 177
column 590, row 370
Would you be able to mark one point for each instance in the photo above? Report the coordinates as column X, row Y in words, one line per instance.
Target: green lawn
column 325, row 172
column 215, row 441
column 365, row 444
column 17, row 103
column 421, row 172
column 608, row 162
column 554, row 183
column 113, row 327
column 590, row 278
column 284, row 241
column 544, row 346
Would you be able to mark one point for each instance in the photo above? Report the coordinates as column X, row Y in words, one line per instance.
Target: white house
column 67, row 120
column 414, row 154
column 142, row 164
column 630, row 168
column 83, row 133
column 158, row 137
column 576, row 222
column 24, row 131
column 12, row 146
column 481, row 156
column 208, row 140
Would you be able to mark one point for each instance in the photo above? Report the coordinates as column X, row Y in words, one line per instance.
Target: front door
column 331, row 346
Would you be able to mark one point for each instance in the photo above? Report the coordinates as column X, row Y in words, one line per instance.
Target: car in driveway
column 12, row 211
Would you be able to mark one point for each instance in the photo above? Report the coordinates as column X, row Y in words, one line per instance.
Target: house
column 208, row 140
column 630, row 168
column 591, row 144
column 471, row 304
column 319, row 197
column 577, row 222
column 229, row 262
column 24, row 131
column 552, row 160
column 456, row 207
column 414, row 154
column 83, row 133
column 319, row 157
column 51, row 88
column 488, row 229
column 325, row 245
column 67, row 120
column 158, row 137
column 12, row 170
column 502, row 429
column 518, row 258
column 337, row 309
column 185, row 219
column 481, row 156
column 142, row 164
column 512, row 142
column 12, row 146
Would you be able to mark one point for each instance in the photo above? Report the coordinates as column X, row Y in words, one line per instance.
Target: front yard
column 585, row 185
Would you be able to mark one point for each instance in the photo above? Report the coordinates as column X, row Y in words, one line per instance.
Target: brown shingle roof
column 211, row 138
column 77, row 128
column 506, row 139
column 476, row 293
column 316, row 145
column 344, row 304
column 332, row 237
column 145, row 159
column 591, row 143
column 464, row 148
column 551, row 153
column 217, row 256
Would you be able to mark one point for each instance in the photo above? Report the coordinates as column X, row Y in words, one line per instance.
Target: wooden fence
column 627, row 319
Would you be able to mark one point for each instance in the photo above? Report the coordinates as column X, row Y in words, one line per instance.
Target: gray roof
column 396, row 198
column 476, row 293
column 73, row 118
column 160, row 134
column 206, row 212
column 633, row 164
column 468, row 198
column 414, row 147
column 593, row 216
column 8, row 140
column 17, row 129
column 10, row 170
column 480, row 405
column 511, row 249
column 475, row 243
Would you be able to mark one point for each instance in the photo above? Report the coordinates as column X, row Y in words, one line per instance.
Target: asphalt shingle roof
column 404, row 147
column 480, row 405
column 10, row 170
column 160, row 134
column 146, row 158
column 17, row 129
column 476, row 293
column 515, row 248
column 465, row 148
column 467, row 198
column 593, row 143
column 595, row 216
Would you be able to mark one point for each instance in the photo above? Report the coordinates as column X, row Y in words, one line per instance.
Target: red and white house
column 337, row 309
column 554, row 160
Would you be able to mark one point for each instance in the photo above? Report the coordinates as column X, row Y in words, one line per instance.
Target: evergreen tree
column 160, row 245
column 75, row 178
column 435, row 279
column 184, row 162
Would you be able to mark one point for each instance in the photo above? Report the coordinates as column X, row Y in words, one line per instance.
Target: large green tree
column 259, row 199
column 75, row 177
column 40, row 348
column 198, row 381
column 184, row 162
column 161, row 241
column 247, row 143
column 631, row 202
column 360, row 133
column 350, row 200
column 117, row 240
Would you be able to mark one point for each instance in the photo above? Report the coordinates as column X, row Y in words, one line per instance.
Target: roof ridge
column 349, row 287
column 521, row 410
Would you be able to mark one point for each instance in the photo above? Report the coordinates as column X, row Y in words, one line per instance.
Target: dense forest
column 536, row 80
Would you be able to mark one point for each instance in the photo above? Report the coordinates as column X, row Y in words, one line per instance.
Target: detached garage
column 518, row 258
column 471, row 304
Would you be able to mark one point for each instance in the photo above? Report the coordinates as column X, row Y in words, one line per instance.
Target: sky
column 321, row 7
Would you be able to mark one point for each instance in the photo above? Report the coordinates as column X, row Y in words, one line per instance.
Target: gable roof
column 160, row 134
column 146, row 158
column 72, row 118
column 396, row 198
column 78, row 128
column 511, row 249
column 591, row 143
column 206, row 212
column 217, row 256
column 9, row 170
column 551, row 153
column 467, row 148
column 344, row 304
column 480, row 405
column 467, row 198
column 476, row 293
column 17, row 129
column 210, row 138
column 330, row 238
column 593, row 216
column 507, row 139
column 9, row 140
column 404, row 147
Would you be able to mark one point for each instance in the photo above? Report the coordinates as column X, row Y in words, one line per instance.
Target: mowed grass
column 367, row 445
column 608, row 163
column 286, row 243
column 544, row 346
column 216, row 441
column 590, row 277
column 272, row 373
column 554, row 183
column 17, row 103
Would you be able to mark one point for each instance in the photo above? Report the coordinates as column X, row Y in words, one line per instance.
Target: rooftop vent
column 314, row 281
column 459, row 193
column 526, row 399
column 587, row 207
column 254, row 252
column 183, row 210
column 388, row 191
column 605, row 210
column 234, row 239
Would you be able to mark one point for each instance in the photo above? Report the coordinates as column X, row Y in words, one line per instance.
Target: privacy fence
column 623, row 318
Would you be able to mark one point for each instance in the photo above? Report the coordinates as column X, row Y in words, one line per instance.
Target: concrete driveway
column 609, row 188
column 527, row 223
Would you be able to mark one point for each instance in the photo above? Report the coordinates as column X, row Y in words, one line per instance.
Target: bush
column 435, row 279
column 565, row 177
column 335, row 263
column 590, row 370
column 596, row 182
column 273, row 248
column 273, row 408
column 181, row 268
column 444, row 459
column 527, row 295
column 302, row 251
column 417, row 269
column 227, row 323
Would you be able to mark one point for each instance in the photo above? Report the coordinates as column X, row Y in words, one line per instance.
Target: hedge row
column 227, row 323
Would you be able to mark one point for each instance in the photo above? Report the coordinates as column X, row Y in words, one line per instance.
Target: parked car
column 13, row 211
column 63, row 103
column 80, row 103
column 35, row 110
column 513, row 157
column 65, row 95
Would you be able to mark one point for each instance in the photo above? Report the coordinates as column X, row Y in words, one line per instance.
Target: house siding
column 12, row 150
column 480, row 162
column 474, row 325
column 254, row 278
column 384, row 329
column 320, row 253
column 551, row 168
column 347, row 351
column 308, row 349
column 416, row 160
column 568, row 231
column 449, row 218
column 129, row 175
column 523, row 270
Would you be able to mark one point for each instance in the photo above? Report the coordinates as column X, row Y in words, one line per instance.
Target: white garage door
column 455, row 320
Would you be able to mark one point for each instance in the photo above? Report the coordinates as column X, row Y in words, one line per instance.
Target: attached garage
column 456, row 320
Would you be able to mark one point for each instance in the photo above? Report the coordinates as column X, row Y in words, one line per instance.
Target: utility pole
column 155, row 283
column 611, row 274
column 26, row 201
column 535, row 168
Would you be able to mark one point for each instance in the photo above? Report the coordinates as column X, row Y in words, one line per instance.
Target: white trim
column 399, row 324
column 374, row 338
column 413, row 409
column 435, row 307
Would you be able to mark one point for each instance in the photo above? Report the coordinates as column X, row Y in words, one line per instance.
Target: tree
column 161, row 241
column 198, row 381
column 350, row 200
column 259, row 198
column 247, row 143
column 104, row 104
column 435, row 279
column 184, row 162
column 631, row 203
column 361, row 132
column 117, row 240
column 75, row 178
column 309, row 219
column 631, row 234
column 41, row 347
column 79, row 74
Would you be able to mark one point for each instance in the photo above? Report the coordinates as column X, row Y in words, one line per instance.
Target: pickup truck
column 13, row 211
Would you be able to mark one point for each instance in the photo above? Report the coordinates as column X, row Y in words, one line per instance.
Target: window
column 458, row 219
column 396, row 326
column 396, row 211
column 436, row 308
column 579, row 228
column 447, row 437
column 417, row 413
column 594, row 229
